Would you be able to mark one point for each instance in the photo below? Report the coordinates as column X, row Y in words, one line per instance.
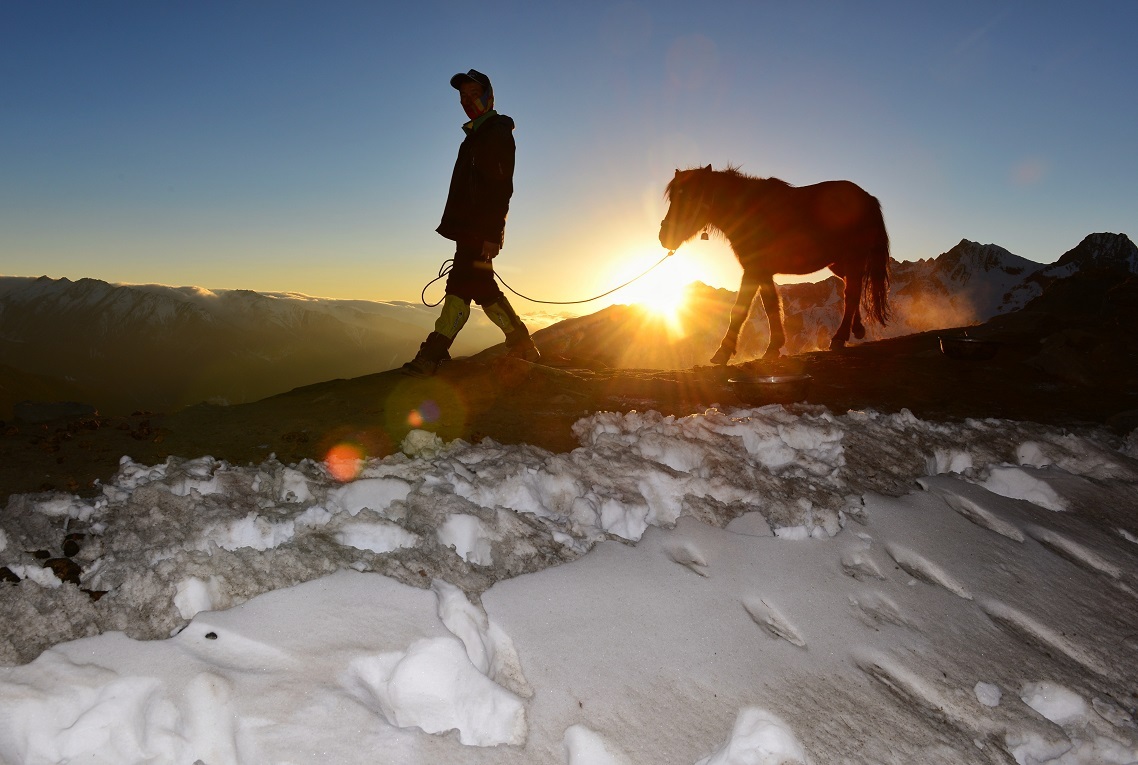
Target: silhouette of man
column 475, row 219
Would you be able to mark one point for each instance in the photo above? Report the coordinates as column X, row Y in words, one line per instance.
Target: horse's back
column 842, row 209
column 801, row 229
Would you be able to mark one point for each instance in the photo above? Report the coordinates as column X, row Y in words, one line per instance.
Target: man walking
column 475, row 219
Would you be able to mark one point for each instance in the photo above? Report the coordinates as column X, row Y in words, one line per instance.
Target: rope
column 448, row 264
column 444, row 269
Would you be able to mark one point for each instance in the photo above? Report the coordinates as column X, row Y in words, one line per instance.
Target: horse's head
column 690, row 204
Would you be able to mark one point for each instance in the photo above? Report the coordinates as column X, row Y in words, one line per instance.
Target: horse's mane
column 733, row 176
column 733, row 172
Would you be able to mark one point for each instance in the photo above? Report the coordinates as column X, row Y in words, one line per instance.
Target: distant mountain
column 967, row 285
column 1097, row 253
column 130, row 347
column 127, row 347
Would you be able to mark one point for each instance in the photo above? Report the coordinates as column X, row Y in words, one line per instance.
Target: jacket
column 482, row 183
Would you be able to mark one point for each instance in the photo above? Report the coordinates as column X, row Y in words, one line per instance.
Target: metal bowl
column 968, row 348
column 771, row 389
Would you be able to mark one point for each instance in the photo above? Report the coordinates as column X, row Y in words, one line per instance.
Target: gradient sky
column 307, row 146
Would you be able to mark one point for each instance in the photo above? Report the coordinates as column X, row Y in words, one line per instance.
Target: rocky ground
column 1069, row 359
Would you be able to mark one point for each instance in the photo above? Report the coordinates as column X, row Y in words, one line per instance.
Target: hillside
column 1069, row 358
column 126, row 348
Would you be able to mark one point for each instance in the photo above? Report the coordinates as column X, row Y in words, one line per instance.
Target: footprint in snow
column 1076, row 553
column 981, row 516
column 1034, row 633
column 769, row 618
column 910, row 687
column 875, row 609
column 859, row 565
column 689, row 556
column 919, row 567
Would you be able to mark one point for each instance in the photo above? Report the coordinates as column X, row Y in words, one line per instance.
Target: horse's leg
column 857, row 327
column 774, row 316
column 852, row 313
column 747, row 287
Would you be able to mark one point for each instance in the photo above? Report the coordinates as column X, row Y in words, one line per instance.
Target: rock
column 71, row 545
column 65, row 568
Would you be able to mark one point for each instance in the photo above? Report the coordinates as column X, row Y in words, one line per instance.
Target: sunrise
column 607, row 382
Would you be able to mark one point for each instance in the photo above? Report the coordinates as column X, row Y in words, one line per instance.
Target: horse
column 776, row 228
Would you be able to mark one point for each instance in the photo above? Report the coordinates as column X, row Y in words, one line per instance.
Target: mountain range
column 152, row 347
column 122, row 348
column 967, row 285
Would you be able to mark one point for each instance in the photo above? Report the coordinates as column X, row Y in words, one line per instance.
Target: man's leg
column 518, row 340
column 436, row 348
column 483, row 289
column 456, row 310
column 432, row 352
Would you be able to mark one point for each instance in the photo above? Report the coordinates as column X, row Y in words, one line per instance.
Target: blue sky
column 307, row 146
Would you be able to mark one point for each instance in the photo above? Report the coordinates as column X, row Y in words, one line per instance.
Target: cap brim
column 461, row 79
column 473, row 75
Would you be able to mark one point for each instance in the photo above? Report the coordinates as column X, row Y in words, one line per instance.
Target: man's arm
column 494, row 163
column 496, row 160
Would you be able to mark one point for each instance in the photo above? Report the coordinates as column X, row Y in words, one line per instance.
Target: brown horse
column 776, row 228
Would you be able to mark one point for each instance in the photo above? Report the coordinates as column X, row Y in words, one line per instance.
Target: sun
column 664, row 298
column 663, row 292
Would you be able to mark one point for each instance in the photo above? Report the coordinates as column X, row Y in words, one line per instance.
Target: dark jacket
column 482, row 184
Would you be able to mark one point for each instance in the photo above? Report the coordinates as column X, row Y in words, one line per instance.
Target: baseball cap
column 471, row 76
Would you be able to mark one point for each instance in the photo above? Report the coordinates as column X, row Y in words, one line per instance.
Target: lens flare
column 426, row 413
column 344, row 461
column 432, row 404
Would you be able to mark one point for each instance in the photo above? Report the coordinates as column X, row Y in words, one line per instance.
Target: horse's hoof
column 837, row 345
column 772, row 353
column 721, row 357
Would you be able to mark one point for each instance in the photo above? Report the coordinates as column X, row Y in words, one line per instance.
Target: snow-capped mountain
column 967, row 285
column 1097, row 253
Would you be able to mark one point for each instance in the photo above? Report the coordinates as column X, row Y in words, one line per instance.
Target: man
column 475, row 218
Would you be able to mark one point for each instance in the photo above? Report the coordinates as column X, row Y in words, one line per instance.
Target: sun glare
column 665, row 300
column 663, row 291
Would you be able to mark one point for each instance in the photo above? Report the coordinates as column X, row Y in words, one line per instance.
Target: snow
column 744, row 586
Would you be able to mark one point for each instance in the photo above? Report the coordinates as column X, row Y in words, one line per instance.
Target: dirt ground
column 1057, row 371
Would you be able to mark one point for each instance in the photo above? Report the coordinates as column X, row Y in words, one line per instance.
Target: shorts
column 471, row 277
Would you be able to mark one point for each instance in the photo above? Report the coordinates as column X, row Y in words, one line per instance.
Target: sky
column 738, row 587
column 307, row 147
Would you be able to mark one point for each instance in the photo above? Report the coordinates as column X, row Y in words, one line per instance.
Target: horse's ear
column 708, row 168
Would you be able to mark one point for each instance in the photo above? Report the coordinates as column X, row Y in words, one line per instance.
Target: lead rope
column 448, row 264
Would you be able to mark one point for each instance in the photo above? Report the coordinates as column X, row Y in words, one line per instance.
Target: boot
column 518, row 342
column 520, row 345
column 432, row 352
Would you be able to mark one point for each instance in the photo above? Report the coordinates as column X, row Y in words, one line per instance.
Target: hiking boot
column 432, row 353
column 519, row 345
column 420, row 367
column 518, row 342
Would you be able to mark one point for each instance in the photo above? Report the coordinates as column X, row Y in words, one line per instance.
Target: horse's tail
column 875, row 282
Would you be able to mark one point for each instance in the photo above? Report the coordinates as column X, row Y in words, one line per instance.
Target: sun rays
column 663, row 293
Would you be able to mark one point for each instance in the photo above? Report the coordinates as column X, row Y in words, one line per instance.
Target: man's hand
column 490, row 250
